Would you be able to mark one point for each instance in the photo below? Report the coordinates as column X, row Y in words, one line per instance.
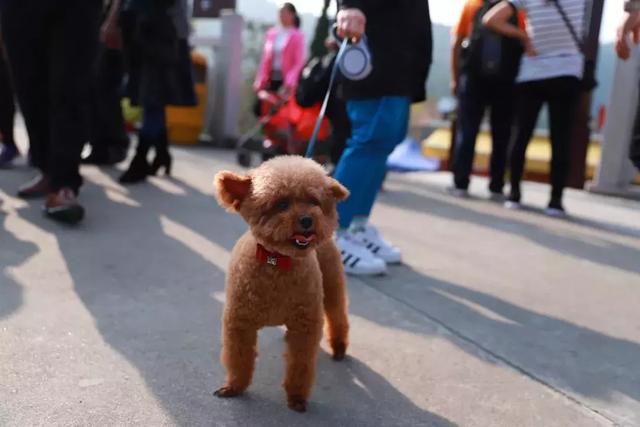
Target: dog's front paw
column 339, row 350
column 226, row 391
column 297, row 403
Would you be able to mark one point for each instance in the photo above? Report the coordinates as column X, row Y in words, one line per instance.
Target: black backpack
column 314, row 80
column 490, row 55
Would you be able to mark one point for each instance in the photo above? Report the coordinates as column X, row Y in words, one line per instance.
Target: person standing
column 158, row 64
column 630, row 28
column 51, row 47
column 482, row 78
column 549, row 74
column 9, row 150
column 109, row 140
column 399, row 36
column 283, row 54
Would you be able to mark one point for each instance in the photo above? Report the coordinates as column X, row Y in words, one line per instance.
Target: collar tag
column 274, row 259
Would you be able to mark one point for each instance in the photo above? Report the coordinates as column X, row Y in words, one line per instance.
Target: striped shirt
column 558, row 53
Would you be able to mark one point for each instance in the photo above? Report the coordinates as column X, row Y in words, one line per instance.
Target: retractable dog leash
column 354, row 62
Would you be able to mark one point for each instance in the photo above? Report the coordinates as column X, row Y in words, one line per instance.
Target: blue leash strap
column 325, row 103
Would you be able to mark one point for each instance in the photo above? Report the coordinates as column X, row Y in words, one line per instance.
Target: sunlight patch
column 484, row 311
column 119, row 197
column 210, row 251
column 167, row 186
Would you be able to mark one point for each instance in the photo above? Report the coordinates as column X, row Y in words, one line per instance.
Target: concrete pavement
column 497, row 318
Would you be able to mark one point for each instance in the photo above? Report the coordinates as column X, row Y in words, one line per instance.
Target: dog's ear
column 231, row 189
column 338, row 190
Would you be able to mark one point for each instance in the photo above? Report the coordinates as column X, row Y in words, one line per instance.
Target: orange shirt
column 464, row 27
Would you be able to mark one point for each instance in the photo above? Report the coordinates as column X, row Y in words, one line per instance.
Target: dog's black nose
column 306, row 221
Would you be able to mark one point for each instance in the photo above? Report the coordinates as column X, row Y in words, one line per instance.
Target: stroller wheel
column 244, row 159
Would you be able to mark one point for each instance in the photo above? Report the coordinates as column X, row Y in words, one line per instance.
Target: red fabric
column 300, row 120
column 304, row 120
column 281, row 262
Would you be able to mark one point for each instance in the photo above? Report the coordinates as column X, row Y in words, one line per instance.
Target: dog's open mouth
column 302, row 241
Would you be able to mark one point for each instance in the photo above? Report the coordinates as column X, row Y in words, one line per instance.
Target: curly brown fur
column 273, row 199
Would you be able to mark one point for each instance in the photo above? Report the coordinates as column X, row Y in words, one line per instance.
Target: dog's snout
column 306, row 221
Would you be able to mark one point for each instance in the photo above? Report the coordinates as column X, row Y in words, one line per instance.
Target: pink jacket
column 293, row 56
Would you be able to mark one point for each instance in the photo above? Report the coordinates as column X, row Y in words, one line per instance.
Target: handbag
column 314, row 80
column 588, row 82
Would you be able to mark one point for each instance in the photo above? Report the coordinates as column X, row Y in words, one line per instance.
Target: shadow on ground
column 549, row 350
column 15, row 252
column 600, row 251
column 148, row 266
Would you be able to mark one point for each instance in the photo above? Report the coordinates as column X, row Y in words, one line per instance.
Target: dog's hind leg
column 303, row 344
column 238, row 357
column 335, row 299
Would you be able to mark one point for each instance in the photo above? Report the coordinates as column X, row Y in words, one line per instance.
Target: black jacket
column 400, row 40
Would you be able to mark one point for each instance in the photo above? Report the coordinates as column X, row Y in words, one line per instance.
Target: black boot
column 139, row 167
column 163, row 157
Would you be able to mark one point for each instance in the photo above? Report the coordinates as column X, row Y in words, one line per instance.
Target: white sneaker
column 369, row 237
column 515, row 206
column 357, row 260
column 459, row 193
column 555, row 212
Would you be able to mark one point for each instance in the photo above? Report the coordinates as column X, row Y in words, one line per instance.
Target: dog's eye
column 315, row 202
column 283, row 205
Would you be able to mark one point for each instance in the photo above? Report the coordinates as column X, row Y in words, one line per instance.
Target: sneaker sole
column 366, row 274
column 555, row 213
column 515, row 206
column 67, row 215
column 391, row 261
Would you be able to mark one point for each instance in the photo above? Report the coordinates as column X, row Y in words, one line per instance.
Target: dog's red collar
column 281, row 262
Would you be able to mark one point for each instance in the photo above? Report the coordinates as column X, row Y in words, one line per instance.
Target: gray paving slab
column 497, row 318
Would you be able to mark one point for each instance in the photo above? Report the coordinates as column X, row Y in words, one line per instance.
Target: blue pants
column 378, row 126
column 153, row 121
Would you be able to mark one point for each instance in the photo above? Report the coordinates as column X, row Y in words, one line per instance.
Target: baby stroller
column 283, row 127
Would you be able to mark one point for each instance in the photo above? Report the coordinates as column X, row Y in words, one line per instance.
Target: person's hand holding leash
column 630, row 27
column 351, row 23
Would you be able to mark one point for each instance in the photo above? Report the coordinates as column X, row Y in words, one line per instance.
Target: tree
column 322, row 31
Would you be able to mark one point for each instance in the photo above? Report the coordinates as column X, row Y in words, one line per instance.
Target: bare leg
column 238, row 357
column 335, row 299
column 301, row 355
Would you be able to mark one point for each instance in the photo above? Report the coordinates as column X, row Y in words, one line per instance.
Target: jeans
column 378, row 126
column 52, row 47
column 153, row 122
column 474, row 97
column 561, row 95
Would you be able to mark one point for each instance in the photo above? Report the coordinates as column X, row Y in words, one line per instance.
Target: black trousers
column 52, row 47
column 474, row 98
column 107, row 122
column 340, row 127
column 7, row 102
column 561, row 96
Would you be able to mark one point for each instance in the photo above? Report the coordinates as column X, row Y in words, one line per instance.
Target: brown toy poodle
column 286, row 270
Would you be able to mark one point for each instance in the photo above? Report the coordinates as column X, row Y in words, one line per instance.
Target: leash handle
column 325, row 103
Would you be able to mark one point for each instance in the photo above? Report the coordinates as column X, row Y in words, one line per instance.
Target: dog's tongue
column 304, row 239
